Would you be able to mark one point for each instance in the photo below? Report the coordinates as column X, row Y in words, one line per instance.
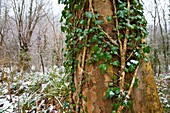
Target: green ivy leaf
column 136, row 82
column 107, row 56
column 98, row 22
column 66, row 104
column 130, row 26
column 146, row 49
column 114, row 29
column 63, row 29
column 116, row 63
column 81, row 37
column 95, row 47
column 121, row 36
column 111, row 94
column 139, row 38
column 107, row 96
column 88, row 15
column 103, row 68
column 114, row 77
column 122, row 5
column 94, row 38
column 139, row 55
column 114, row 49
column 83, row 22
column 126, row 70
column 109, row 18
column 97, row 16
column 117, row 90
column 121, row 13
column 146, row 59
column 131, row 68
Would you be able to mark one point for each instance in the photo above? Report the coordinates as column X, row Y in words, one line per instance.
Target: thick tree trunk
column 91, row 83
column 145, row 97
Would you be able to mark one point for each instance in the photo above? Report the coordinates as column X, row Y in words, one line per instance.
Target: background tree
column 159, row 35
column 26, row 21
column 106, row 57
column 22, row 22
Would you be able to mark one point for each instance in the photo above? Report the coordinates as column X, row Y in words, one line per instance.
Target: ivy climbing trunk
column 107, row 62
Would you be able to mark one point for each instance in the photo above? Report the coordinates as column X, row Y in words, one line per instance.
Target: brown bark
column 145, row 98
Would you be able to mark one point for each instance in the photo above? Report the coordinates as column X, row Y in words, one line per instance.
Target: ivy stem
column 107, row 35
column 130, row 89
column 123, row 57
column 133, row 81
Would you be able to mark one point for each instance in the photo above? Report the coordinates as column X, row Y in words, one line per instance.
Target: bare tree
column 159, row 35
column 26, row 21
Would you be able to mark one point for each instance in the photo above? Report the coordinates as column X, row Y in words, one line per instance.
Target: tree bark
column 91, row 84
column 145, row 97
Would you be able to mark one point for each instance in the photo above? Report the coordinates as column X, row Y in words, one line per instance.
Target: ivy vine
column 83, row 30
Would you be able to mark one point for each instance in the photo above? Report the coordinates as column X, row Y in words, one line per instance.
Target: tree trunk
column 145, row 97
column 24, row 58
column 101, row 82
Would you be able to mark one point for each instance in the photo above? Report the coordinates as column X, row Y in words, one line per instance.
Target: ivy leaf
column 97, row 16
column 146, row 59
column 83, row 22
column 114, row 49
column 139, row 55
column 96, row 48
column 136, row 82
column 107, row 56
column 113, row 111
column 126, row 70
column 107, row 93
column 117, row 90
column 121, row 36
column 77, row 7
column 111, row 94
column 130, row 26
column 116, row 63
column 128, row 63
column 122, row 5
column 114, row 29
column 146, row 49
column 114, row 77
column 66, row 104
column 103, row 68
column 94, row 38
column 88, row 15
column 121, row 13
column 63, row 29
column 131, row 68
column 81, row 37
column 129, row 104
column 109, row 18
column 139, row 38
column 98, row 22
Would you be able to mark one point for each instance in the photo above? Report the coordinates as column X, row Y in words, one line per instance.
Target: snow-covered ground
column 33, row 91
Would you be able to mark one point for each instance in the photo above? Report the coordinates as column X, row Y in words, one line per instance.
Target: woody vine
column 83, row 27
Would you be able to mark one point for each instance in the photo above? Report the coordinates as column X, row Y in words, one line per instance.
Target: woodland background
column 32, row 54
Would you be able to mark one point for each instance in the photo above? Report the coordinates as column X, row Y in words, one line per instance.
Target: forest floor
column 46, row 92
